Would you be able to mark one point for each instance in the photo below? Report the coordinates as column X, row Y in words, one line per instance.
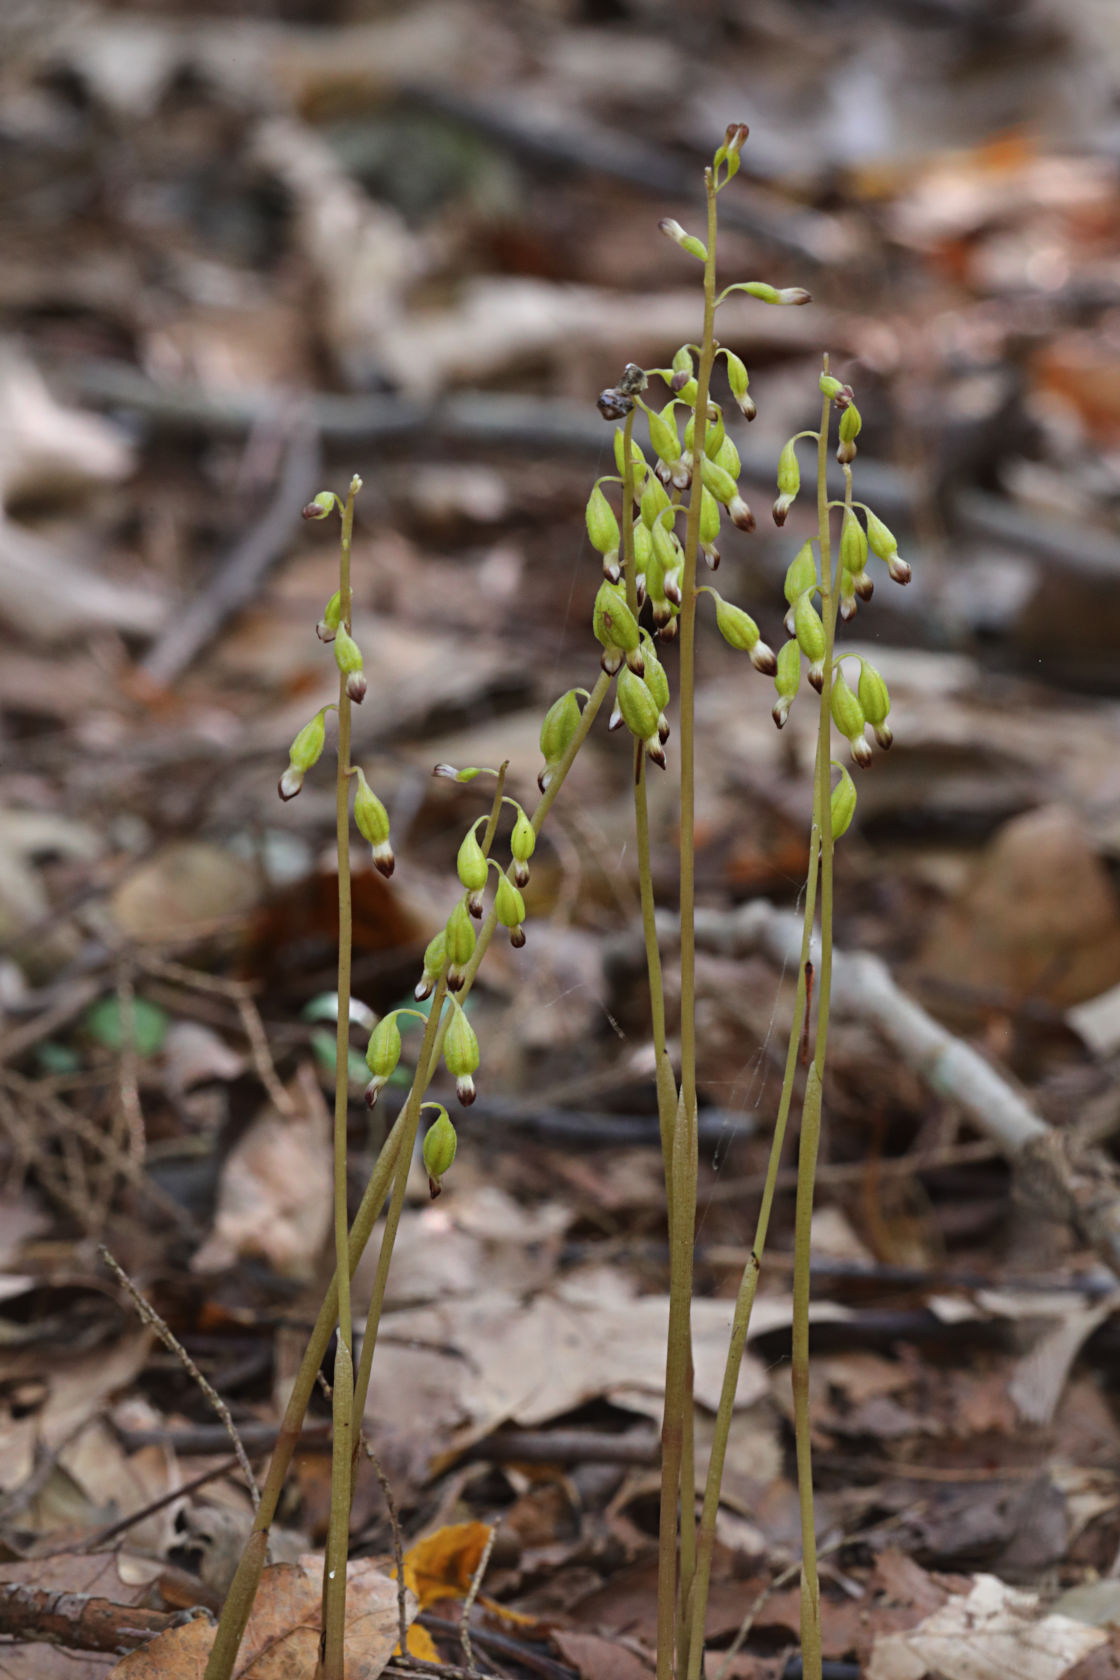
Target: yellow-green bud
column 509, row 906
column 801, row 574
column 849, row 430
column 726, row 456
column 843, row 803
column 853, row 543
column 787, row 678
column 523, row 840
column 774, row 294
column 304, row 751
column 373, row 825
column 471, row 862
column 638, row 707
column 602, row 526
column 560, row 724
column 709, row 527
column 831, row 387
column 848, row 716
column 348, row 658
column 809, row 631
column 663, row 434
column 738, row 380
column 639, row 460
column 876, row 702
column 687, row 241
column 383, row 1052
column 327, row 627
column 789, row 482
column 321, row 506
column 737, row 628
column 656, row 681
column 440, row 1144
column 884, row 544
column 460, row 1054
column 724, row 488
column 615, row 627
column 654, row 501
column 434, row 958
column 460, row 945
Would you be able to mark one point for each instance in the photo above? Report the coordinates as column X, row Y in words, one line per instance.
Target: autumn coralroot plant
column 651, row 522
column 673, row 507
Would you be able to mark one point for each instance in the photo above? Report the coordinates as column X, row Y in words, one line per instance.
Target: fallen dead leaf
column 987, row 1634
column 282, row 1636
column 183, row 892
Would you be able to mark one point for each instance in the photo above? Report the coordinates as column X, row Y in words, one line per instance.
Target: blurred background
column 249, row 249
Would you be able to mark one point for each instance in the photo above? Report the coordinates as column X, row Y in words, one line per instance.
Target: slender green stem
column 666, row 1084
column 678, row 1503
column 342, row 1449
column 814, row 1086
column 744, row 1303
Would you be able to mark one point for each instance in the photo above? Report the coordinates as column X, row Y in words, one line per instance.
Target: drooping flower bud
column 641, row 714
column 831, row 387
column 460, row 945
column 602, row 526
column 738, row 380
column 321, row 506
column 434, row 958
column 687, row 241
column 810, row 634
column 383, row 1052
column 640, row 465
column 373, row 825
column 657, row 682
column 560, row 724
column 348, row 658
column 853, row 543
column 725, row 453
column 474, row 872
column 461, row 1053
column 327, row 627
column 663, row 434
column 654, row 501
column 509, row 906
column 616, row 628
column 789, row 482
column 801, row 579
column 843, row 803
column 709, row 528
column 884, row 544
column 849, row 605
column 522, row 845
column 740, row 631
column 787, row 679
column 848, row 716
column 304, row 751
column 440, row 1144
column 849, row 429
column 876, row 702
column 773, row 294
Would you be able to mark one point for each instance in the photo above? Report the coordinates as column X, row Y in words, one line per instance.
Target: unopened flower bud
column 849, row 429
column 461, row 1054
column 655, row 677
column 853, row 544
column 723, row 453
column 602, row 526
column 899, row 569
column 509, row 905
column 849, row 605
column 356, row 687
column 848, row 716
column 440, row 1144
column 636, row 456
column 383, row 1052
column 810, row 634
column 347, row 654
column 801, row 574
column 654, row 501
column 304, row 751
column 787, row 678
column 460, row 945
column 560, row 724
column 789, row 482
column 687, row 241
column 522, row 845
column 831, row 387
column 434, row 958
column 880, row 538
column 615, row 627
column 663, row 435
column 471, row 863
column 876, row 702
column 774, row 294
column 843, row 803
column 372, row 820
column 327, row 627
column 709, row 528
column 738, row 380
column 321, row 506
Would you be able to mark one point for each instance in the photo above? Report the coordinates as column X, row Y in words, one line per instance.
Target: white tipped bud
column 687, row 241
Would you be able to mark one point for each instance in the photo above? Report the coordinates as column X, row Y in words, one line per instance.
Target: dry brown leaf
column 183, row 892
column 987, row 1634
column 282, row 1636
column 274, row 1199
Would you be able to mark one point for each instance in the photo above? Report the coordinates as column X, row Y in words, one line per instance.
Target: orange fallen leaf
column 443, row 1564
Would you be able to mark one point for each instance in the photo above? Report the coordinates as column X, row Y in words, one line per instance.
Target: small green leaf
column 104, row 1023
